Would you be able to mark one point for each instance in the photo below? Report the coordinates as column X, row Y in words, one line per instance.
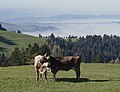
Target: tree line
column 24, row 56
column 92, row 49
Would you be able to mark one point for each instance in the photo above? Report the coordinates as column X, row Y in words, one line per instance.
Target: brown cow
column 64, row 63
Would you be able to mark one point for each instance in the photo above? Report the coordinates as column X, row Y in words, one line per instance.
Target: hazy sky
column 24, row 8
column 65, row 6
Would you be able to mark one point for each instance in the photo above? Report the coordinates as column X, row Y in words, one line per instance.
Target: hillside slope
column 10, row 40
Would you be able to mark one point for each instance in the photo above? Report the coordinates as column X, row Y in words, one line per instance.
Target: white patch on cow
column 37, row 60
column 47, row 57
column 44, row 68
column 45, row 64
column 42, row 71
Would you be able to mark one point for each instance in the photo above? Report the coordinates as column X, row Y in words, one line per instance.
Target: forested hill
column 94, row 48
column 15, row 48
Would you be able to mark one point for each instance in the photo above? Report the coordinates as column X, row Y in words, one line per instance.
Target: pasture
column 94, row 78
column 10, row 40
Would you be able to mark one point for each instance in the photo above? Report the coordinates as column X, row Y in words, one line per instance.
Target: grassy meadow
column 12, row 40
column 94, row 78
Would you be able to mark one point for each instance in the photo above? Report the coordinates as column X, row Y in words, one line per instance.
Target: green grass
column 94, row 78
column 19, row 40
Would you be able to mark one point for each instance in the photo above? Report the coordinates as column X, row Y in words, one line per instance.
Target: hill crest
column 10, row 40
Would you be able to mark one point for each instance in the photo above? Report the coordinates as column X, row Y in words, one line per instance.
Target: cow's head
column 45, row 58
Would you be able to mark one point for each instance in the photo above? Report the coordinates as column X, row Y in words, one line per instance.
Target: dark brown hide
column 65, row 63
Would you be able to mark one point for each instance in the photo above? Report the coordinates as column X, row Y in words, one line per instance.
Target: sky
column 53, row 7
column 24, row 8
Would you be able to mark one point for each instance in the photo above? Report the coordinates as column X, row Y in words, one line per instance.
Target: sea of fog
column 80, row 27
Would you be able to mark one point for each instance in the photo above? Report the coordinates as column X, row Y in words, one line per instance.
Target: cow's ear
column 46, row 54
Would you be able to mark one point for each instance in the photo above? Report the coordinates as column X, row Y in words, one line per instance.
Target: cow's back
column 69, row 61
column 69, row 58
column 64, row 58
column 37, row 60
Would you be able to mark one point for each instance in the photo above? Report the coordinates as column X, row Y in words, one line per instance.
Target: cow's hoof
column 77, row 79
column 37, row 79
column 54, row 80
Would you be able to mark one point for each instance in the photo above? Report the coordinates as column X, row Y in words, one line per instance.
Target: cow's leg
column 37, row 75
column 45, row 75
column 54, row 77
column 54, row 74
column 77, row 70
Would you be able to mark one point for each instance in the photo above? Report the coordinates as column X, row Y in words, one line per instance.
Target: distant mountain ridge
column 26, row 27
column 46, row 24
column 63, row 17
column 84, row 16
